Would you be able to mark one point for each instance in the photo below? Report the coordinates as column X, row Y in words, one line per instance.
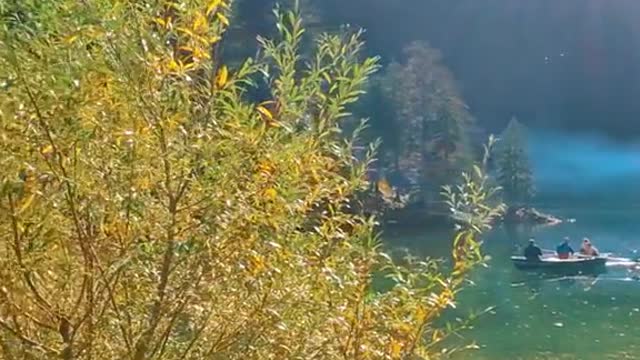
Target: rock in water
column 533, row 216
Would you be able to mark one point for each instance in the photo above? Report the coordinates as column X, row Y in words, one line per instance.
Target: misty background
column 571, row 64
column 568, row 70
column 588, row 167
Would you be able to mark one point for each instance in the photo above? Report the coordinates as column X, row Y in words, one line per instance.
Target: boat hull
column 564, row 266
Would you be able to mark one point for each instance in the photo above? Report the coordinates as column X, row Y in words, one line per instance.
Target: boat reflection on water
column 536, row 281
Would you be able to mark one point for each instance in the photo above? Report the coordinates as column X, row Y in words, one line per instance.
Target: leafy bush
column 148, row 210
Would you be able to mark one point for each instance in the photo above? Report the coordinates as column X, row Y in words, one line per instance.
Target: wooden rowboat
column 565, row 266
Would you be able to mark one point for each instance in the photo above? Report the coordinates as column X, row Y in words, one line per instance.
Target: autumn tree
column 431, row 119
column 514, row 171
column 149, row 210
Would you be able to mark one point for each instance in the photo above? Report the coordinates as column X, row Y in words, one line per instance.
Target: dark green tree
column 430, row 119
column 514, row 170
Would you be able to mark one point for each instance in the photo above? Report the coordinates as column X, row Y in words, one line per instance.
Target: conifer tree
column 515, row 175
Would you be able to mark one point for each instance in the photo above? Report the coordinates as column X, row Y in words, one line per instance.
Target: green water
column 580, row 318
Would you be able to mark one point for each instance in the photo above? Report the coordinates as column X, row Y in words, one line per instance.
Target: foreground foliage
column 148, row 210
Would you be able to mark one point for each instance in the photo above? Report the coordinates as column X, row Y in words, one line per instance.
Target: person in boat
column 588, row 249
column 564, row 250
column 532, row 252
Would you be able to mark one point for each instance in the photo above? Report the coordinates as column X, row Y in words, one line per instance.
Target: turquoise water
column 580, row 317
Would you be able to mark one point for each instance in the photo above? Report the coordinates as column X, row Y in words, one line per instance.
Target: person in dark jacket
column 564, row 250
column 532, row 252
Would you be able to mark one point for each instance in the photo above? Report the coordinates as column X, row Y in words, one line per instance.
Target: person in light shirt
column 588, row 249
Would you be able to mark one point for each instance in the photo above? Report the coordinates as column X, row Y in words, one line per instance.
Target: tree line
column 429, row 135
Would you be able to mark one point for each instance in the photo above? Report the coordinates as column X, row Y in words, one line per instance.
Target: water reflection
column 535, row 282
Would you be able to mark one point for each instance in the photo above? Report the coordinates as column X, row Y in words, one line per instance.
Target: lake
column 580, row 317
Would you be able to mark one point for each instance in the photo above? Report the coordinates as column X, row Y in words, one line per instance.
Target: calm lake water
column 577, row 317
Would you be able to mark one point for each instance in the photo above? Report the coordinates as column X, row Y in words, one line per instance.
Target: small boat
column 566, row 266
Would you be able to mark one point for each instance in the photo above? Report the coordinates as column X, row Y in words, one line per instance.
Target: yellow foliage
column 385, row 189
column 267, row 116
column 223, row 19
column 173, row 66
column 270, row 193
column 26, row 203
column 262, row 110
column 143, row 215
column 161, row 22
column 199, row 23
column 396, row 349
column 200, row 53
column 48, row 149
column 71, row 39
column 223, row 76
column 213, row 6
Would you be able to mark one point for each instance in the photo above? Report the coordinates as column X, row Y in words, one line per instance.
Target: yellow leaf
column 258, row 264
column 263, row 110
column 213, row 5
column 223, row 76
column 160, row 22
column 421, row 314
column 199, row 24
column 223, row 19
column 396, row 349
column 70, row 39
column 186, row 31
column 26, row 203
column 187, row 66
column 266, row 168
column 173, row 66
column 199, row 53
column 436, row 336
column 270, row 193
column 47, row 150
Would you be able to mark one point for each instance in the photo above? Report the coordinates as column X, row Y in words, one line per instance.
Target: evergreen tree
column 514, row 171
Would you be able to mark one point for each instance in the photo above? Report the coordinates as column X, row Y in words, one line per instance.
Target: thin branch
column 25, row 313
column 17, row 248
column 26, row 340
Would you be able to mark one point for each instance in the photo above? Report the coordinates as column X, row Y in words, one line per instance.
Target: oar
column 621, row 259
